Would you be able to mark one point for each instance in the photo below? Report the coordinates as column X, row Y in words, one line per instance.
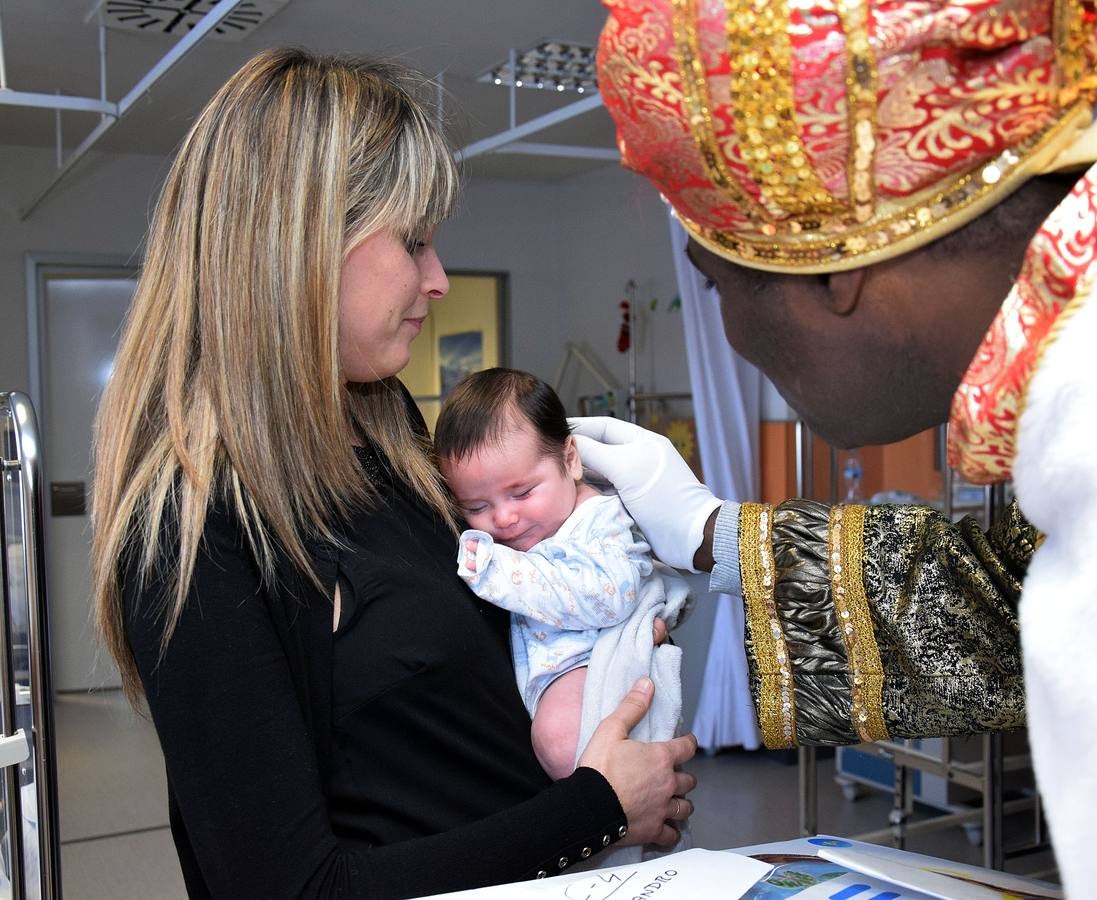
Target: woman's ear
column 844, row 290
column 573, row 465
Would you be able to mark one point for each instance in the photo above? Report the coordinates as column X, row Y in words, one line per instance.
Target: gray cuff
column 726, row 578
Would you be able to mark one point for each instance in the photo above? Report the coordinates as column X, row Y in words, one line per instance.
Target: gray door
column 80, row 310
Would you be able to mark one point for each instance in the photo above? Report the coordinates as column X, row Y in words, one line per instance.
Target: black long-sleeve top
column 389, row 759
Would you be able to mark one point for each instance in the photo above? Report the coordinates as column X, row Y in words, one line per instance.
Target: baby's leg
column 555, row 729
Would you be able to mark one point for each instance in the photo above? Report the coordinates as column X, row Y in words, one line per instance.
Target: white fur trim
column 1055, row 475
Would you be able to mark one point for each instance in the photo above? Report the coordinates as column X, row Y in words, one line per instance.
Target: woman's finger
column 682, row 748
column 680, row 809
column 667, row 837
column 684, row 783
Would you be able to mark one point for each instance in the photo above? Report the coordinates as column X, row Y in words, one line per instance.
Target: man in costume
column 864, row 182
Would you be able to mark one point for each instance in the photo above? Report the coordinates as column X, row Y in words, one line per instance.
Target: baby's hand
column 470, row 553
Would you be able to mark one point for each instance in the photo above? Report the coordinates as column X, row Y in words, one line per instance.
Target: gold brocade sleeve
column 870, row 622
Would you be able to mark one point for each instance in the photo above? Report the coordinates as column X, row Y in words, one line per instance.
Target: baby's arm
column 569, row 583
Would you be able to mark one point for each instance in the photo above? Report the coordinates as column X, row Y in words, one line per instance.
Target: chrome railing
column 33, row 859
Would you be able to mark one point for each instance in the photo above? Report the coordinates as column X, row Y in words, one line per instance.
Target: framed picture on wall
column 462, row 334
column 459, row 355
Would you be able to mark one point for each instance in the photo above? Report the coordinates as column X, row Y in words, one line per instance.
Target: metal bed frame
column 986, row 776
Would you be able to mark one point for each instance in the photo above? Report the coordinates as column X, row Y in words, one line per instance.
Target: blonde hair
column 226, row 385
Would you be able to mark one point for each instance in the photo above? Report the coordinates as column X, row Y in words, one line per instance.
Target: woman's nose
column 433, row 279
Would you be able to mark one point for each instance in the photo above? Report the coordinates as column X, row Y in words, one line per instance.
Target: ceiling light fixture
column 565, row 65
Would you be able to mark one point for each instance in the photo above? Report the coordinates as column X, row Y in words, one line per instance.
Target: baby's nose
column 505, row 516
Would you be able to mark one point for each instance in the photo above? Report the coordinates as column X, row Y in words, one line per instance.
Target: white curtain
column 726, row 403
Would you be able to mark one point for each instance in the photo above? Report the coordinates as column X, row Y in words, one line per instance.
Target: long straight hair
column 226, row 385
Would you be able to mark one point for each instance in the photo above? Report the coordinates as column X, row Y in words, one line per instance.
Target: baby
column 565, row 560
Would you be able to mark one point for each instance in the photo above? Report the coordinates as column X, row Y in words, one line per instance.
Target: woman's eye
column 414, row 245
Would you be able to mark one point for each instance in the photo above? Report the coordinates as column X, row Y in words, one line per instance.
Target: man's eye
column 710, row 284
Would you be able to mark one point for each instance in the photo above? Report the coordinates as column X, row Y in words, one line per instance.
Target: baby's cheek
column 480, row 522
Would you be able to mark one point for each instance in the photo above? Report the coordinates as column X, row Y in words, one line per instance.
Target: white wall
column 569, row 247
column 512, row 226
column 102, row 207
column 619, row 232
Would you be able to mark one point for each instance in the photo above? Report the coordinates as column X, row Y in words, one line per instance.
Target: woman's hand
column 644, row 775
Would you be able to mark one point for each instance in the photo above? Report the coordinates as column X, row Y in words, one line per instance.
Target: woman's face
column 385, row 290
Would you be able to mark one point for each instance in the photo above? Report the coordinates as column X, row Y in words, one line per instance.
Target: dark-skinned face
column 870, row 356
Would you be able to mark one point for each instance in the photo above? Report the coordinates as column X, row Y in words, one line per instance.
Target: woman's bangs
column 427, row 180
column 412, row 191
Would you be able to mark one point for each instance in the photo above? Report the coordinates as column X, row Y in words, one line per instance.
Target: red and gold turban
column 820, row 135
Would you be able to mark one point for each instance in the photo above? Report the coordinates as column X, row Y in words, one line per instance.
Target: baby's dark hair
column 488, row 404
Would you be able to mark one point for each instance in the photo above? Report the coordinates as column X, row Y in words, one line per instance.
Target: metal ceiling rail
column 574, row 151
column 57, row 101
column 112, row 111
column 517, row 132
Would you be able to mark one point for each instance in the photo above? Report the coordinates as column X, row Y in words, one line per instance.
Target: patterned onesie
column 561, row 591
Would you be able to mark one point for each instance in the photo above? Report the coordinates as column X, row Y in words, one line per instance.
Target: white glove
column 657, row 487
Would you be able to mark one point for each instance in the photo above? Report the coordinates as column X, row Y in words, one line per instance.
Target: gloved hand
column 657, row 487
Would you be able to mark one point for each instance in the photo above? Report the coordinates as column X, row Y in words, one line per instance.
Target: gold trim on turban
column 812, row 138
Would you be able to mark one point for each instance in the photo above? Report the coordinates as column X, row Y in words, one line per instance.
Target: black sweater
column 391, row 759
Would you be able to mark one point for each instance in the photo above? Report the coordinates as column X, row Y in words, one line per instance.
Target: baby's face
column 513, row 491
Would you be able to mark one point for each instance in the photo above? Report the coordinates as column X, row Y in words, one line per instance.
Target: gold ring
column 677, row 808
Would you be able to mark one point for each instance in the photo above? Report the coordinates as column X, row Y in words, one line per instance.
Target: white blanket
column 623, row 653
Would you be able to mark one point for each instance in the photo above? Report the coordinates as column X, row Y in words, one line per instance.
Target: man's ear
column 844, row 290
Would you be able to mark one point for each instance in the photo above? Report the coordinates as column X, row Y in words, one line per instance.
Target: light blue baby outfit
column 563, row 590
column 588, row 596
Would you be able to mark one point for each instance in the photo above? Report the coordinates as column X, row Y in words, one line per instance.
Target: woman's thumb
column 634, row 706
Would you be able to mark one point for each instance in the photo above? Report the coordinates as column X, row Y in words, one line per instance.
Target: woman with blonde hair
column 272, row 545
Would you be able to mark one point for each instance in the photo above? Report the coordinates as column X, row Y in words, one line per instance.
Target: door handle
column 13, row 749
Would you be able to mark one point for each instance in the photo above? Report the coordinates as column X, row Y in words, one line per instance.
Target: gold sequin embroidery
column 776, row 704
column 861, row 104
column 901, row 225
column 698, row 106
column 845, row 551
column 763, row 110
column 1071, row 32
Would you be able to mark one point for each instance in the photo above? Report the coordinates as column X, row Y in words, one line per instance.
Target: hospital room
column 590, row 448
